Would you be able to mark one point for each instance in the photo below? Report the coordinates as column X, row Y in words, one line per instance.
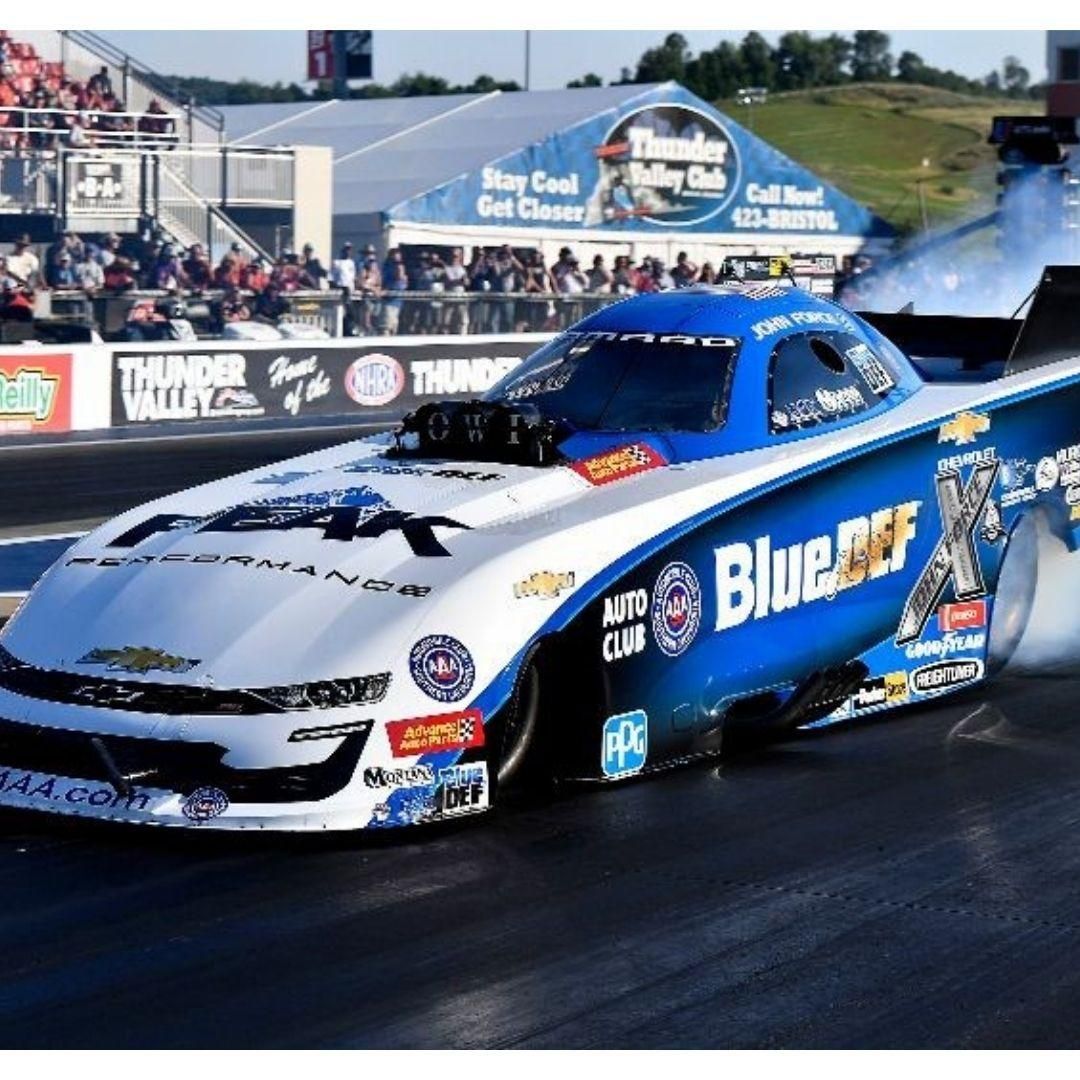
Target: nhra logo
column 442, row 667
column 676, row 609
column 374, row 380
column 944, row 675
column 625, row 745
column 464, row 789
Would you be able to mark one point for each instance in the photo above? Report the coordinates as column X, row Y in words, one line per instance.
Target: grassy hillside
column 871, row 140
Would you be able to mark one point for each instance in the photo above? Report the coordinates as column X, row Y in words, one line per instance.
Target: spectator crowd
column 41, row 108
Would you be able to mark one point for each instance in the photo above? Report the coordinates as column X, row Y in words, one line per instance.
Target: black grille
column 173, row 699
column 174, row 765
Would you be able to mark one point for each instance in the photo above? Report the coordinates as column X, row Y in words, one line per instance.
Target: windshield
column 626, row 381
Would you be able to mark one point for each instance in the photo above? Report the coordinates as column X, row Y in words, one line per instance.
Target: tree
column 757, row 61
column 910, row 67
column 586, row 80
column 1016, row 77
column 716, row 73
column 870, row 57
column 797, row 61
column 665, row 62
column 834, row 56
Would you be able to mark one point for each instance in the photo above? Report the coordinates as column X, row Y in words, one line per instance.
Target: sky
column 557, row 55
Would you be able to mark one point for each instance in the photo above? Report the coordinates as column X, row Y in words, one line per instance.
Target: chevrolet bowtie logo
column 963, row 428
column 544, row 584
column 138, row 659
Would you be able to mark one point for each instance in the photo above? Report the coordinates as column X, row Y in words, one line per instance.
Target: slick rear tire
column 1015, row 594
column 519, row 758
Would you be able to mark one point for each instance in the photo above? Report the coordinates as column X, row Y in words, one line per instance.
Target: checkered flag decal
column 640, row 454
column 466, row 729
column 763, row 292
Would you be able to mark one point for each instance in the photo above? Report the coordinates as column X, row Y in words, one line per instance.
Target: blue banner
column 663, row 161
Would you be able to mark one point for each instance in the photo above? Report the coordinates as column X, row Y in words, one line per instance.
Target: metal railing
column 48, row 129
column 83, row 53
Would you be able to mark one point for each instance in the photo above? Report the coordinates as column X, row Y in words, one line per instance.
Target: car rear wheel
column 1015, row 594
column 522, row 720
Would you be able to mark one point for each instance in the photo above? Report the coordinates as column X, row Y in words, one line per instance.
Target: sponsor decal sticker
column 955, row 556
column 963, row 428
column 35, row 393
column 411, row 776
column 442, row 667
column 431, row 734
column 676, row 608
column 623, row 624
column 873, row 371
column 1047, row 473
column 944, row 675
column 137, row 659
column 967, row 616
column 949, row 643
column 463, row 789
column 885, row 690
column 375, row 379
column 42, row 787
column 545, row 584
column 205, row 803
column 753, row 580
column 619, row 463
column 625, row 744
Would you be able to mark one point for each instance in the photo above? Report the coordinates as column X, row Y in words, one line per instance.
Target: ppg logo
column 626, row 744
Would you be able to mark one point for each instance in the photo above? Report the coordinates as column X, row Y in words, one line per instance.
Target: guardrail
column 84, row 129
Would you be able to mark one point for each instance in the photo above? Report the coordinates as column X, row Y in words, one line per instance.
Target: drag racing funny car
column 706, row 512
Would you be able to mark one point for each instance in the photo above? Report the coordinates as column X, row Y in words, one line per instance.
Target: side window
column 821, row 377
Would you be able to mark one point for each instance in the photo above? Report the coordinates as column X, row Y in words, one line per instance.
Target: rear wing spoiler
column 1051, row 330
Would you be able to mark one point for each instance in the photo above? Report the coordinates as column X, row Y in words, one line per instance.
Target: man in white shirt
column 23, row 263
column 343, row 270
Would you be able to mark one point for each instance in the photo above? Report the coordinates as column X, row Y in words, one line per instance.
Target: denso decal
column 442, row 667
column 754, row 580
column 623, row 623
column 625, row 744
column 944, row 675
column 962, row 616
column 619, row 463
column 375, row 379
column 463, row 788
column 955, row 556
column 951, row 642
column 676, row 609
column 431, row 734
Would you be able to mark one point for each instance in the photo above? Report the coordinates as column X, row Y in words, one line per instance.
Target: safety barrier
column 49, row 390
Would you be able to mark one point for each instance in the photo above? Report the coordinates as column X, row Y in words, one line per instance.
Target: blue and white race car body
column 812, row 529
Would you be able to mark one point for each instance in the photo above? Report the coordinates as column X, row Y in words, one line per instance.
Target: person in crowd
column 234, row 307
column 313, row 274
column 16, row 298
column 624, row 280
column 227, row 274
column 61, row 273
column 707, row 275
column 270, row 304
column 506, row 276
column 684, row 272
column 536, row 285
column 369, row 280
column 197, row 268
column 572, row 282
column 254, row 277
column 169, row 273
column 90, row 275
column 101, row 83
column 23, row 264
column 395, row 284
column 456, row 277
column 120, row 275
column 286, row 274
column 661, row 275
column 108, row 251
column 343, row 270
column 644, row 282
column 600, row 277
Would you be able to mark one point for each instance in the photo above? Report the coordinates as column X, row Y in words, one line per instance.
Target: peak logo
column 754, row 580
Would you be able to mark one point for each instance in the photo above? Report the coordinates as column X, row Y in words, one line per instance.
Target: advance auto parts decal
column 35, row 393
